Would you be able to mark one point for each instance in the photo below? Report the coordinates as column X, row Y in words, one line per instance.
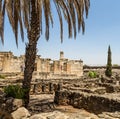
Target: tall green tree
column 30, row 14
column 108, row 71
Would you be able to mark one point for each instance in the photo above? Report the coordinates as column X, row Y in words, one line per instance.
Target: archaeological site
column 60, row 89
column 45, row 68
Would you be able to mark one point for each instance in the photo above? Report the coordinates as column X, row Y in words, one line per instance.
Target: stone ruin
column 45, row 68
column 97, row 95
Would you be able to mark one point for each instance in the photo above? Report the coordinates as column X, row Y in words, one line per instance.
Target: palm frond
column 48, row 16
column 25, row 10
column 39, row 9
column 73, row 16
column 19, row 14
column 60, row 19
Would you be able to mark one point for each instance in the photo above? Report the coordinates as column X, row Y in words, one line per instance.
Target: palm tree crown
column 19, row 13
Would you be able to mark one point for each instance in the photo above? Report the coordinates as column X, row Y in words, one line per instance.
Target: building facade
column 43, row 66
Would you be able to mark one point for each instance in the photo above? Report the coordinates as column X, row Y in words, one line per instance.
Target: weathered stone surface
column 64, row 115
column 10, row 104
column 20, row 113
column 36, row 116
column 61, row 97
column 17, row 103
column 109, row 115
column 5, row 115
column 44, row 68
column 50, row 115
column 91, row 102
column 90, row 94
column 2, row 97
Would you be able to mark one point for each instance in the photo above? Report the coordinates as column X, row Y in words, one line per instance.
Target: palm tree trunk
column 30, row 55
column 29, row 68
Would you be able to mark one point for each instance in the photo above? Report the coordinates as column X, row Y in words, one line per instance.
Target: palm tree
column 30, row 14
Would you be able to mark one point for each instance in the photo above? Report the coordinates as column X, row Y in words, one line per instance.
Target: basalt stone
column 5, row 115
column 9, row 104
column 91, row 102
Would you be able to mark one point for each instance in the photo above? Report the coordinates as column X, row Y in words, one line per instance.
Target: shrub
column 93, row 74
column 14, row 91
column 115, row 65
column 2, row 77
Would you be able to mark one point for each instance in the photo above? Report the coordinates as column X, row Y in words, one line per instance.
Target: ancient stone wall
column 10, row 63
column 90, row 102
column 44, row 87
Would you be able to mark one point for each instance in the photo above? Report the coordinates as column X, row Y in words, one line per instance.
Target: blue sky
column 102, row 29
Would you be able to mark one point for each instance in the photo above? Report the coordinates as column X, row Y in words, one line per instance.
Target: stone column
column 43, row 87
column 50, row 87
column 59, row 87
column 34, row 88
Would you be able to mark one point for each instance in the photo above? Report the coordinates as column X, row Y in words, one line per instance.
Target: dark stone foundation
column 91, row 102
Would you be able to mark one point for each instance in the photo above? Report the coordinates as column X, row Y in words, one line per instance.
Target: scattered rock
column 17, row 103
column 20, row 113
column 9, row 104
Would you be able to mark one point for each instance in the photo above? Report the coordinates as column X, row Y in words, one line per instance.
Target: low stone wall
column 93, row 103
column 45, row 88
column 110, row 88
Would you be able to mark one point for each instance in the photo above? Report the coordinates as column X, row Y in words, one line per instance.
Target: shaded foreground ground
column 43, row 106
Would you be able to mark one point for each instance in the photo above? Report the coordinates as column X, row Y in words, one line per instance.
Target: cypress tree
column 108, row 71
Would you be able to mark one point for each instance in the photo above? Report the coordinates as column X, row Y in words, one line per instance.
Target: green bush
column 2, row 77
column 93, row 74
column 14, row 91
column 115, row 65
